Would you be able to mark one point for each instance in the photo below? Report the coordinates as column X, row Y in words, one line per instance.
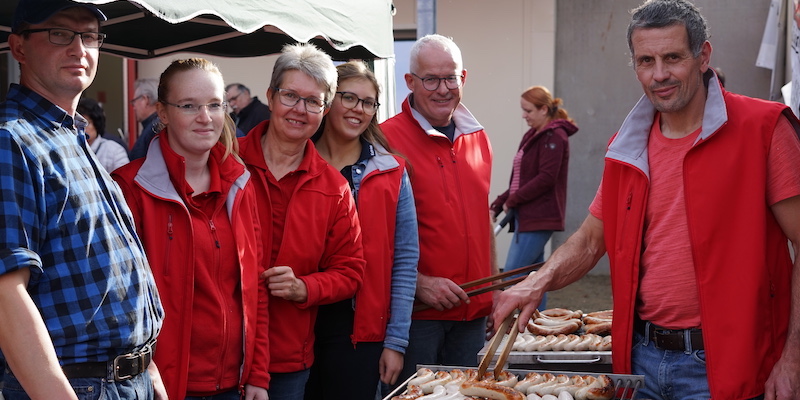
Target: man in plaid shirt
column 78, row 304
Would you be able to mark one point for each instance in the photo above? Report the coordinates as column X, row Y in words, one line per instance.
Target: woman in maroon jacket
column 538, row 190
column 194, row 206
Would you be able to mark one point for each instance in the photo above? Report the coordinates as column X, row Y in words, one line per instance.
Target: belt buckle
column 139, row 356
column 667, row 342
column 117, row 376
column 657, row 340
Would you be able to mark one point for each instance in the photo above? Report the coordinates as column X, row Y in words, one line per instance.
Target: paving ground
column 590, row 293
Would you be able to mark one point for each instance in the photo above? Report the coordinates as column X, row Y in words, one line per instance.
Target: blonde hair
column 228, row 136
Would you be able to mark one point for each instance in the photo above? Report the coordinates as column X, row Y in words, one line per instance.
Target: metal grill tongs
column 497, row 286
column 509, row 322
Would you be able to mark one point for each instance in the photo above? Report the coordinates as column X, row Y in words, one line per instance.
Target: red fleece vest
column 742, row 263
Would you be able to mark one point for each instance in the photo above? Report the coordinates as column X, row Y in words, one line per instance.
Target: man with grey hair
column 700, row 196
column 247, row 111
column 451, row 159
column 145, row 98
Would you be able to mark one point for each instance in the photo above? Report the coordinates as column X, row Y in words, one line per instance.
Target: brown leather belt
column 670, row 339
column 121, row 368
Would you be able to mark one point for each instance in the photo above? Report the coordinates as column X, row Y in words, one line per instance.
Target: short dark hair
column 238, row 86
column 664, row 13
column 92, row 110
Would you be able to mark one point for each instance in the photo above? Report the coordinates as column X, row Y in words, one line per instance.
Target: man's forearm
column 576, row 257
column 793, row 336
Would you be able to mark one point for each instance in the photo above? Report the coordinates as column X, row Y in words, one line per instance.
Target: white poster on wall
column 767, row 53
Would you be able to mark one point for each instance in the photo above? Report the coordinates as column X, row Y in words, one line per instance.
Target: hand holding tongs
column 510, row 321
column 496, row 286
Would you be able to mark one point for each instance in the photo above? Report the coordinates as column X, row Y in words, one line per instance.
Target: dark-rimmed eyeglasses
column 432, row 82
column 63, row 37
column 194, row 109
column 233, row 98
column 290, row 98
column 350, row 101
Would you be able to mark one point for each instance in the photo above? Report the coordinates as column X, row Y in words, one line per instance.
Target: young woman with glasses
column 194, row 206
column 362, row 340
column 311, row 233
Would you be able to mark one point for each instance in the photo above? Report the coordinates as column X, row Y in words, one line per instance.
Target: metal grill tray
column 552, row 357
column 625, row 386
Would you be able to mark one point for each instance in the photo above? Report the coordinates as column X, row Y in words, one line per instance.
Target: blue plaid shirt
column 65, row 219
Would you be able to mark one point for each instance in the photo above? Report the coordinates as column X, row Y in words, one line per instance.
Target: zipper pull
column 214, row 232
column 169, row 227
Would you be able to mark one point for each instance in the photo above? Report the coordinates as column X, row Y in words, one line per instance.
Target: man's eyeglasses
column 289, row 98
column 194, row 109
column 432, row 83
column 63, row 37
column 133, row 100
column 350, row 101
column 233, row 98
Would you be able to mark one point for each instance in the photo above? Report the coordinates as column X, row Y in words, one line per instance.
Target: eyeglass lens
column 64, row 37
column 350, row 101
column 194, row 109
column 432, row 83
column 290, row 99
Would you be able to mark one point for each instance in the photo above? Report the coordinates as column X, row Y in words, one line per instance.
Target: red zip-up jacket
column 163, row 222
column 321, row 242
column 451, row 193
column 742, row 263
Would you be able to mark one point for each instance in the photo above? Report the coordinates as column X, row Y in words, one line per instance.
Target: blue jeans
column 288, row 386
column 139, row 387
column 527, row 248
column 229, row 395
column 453, row 343
column 669, row 374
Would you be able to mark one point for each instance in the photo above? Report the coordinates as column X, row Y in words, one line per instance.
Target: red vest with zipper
column 451, row 192
column 377, row 212
column 742, row 263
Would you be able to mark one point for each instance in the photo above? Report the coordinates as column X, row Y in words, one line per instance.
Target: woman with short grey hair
column 311, row 234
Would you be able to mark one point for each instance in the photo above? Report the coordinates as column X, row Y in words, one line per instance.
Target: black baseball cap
column 37, row 11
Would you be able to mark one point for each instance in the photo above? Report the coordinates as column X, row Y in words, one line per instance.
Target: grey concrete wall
column 594, row 77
